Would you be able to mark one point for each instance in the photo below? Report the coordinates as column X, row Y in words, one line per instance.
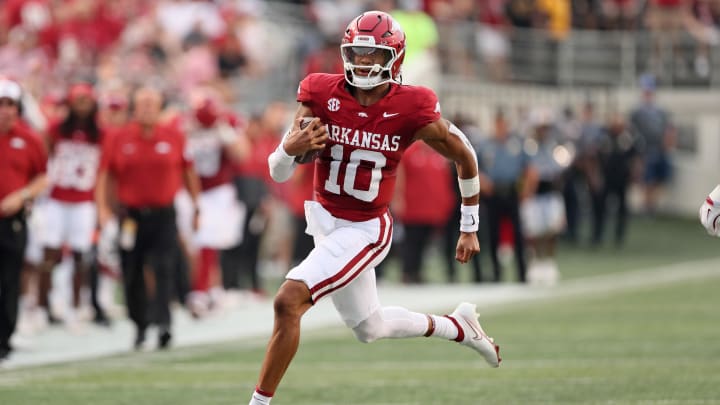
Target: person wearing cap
column 74, row 146
column 214, row 143
column 22, row 170
column 653, row 126
column 146, row 163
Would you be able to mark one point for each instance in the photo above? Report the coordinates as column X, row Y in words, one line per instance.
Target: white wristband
column 469, row 218
column 469, row 187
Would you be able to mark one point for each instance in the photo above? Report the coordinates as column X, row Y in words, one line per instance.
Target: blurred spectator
column 586, row 163
column 325, row 59
column 492, row 42
column 554, row 15
column 113, row 105
column 23, row 172
column 586, row 13
column 568, row 129
column 621, row 14
column 456, row 25
column 666, row 19
column 522, row 13
column 423, row 203
column 652, row 124
column 252, row 179
column 421, row 65
column 145, row 163
column 510, row 179
column 617, row 158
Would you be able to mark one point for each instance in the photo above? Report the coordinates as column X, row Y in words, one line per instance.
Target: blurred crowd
column 184, row 43
column 91, row 69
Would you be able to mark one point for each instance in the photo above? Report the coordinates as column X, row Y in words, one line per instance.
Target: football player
column 74, row 146
column 214, row 143
column 363, row 121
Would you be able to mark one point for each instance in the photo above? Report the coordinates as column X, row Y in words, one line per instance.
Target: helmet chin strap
column 367, row 82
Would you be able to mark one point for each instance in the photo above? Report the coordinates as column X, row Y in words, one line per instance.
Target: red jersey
column 428, row 192
column 148, row 170
column 22, row 158
column 355, row 173
column 207, row 151
column 74, row 163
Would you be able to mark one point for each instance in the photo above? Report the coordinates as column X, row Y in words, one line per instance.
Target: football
column 310, row 156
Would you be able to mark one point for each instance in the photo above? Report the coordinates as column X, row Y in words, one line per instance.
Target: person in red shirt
column 424, row 203
column 22, row 170
column 146, row 163
column 74, row 146
column 358, row 125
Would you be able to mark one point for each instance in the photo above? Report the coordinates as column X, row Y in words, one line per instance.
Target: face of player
column 148, row 106
column 367, row 56
column 8, row 113
column 83, row 106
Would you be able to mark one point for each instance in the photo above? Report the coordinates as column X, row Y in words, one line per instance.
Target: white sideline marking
column 255, row 319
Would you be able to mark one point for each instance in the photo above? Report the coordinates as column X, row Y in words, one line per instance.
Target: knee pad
column 371, row 329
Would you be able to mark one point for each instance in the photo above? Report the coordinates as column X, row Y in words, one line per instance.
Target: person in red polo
column 145, row 161
column 22, row 169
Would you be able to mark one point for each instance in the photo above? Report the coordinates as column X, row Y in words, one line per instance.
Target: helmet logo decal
column 333, row 104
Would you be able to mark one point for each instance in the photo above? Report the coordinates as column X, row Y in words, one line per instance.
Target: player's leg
column 336, row 260
column 357, row 301
column 360, row 309
column 54, row 235
column 291, row 302
column 83, row 219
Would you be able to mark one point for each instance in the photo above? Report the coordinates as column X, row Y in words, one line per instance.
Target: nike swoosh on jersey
column 387, row 115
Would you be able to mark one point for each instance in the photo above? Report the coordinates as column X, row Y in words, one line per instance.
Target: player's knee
column 368, row 330
column 291, row 301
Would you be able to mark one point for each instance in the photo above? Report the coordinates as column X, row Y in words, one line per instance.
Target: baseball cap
column 10, row 89
column 79, row 90
column 647, row 82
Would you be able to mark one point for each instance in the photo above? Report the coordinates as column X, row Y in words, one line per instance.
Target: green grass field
column 653, row 345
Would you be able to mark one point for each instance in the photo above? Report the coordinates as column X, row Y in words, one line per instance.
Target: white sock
column 444, row 328
column 259, row 399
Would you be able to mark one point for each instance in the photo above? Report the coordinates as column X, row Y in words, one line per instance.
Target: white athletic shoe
column 472, row 334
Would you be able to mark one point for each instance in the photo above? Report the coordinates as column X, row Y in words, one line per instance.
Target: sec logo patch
column 333, row 104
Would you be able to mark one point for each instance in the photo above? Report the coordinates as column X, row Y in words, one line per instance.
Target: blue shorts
column 658, row 169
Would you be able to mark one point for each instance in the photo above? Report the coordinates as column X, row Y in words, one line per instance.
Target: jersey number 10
column 351, row 172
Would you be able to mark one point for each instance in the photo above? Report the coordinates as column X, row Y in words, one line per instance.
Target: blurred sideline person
column 617, row 161
column 424, row 201
column 74, row 147
column 214, row 144
column 652, row 124
column 145, row 162
column 509, row 179
column 22, row 170
column 543, row 214
column 363, row 122
column 252, row 180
